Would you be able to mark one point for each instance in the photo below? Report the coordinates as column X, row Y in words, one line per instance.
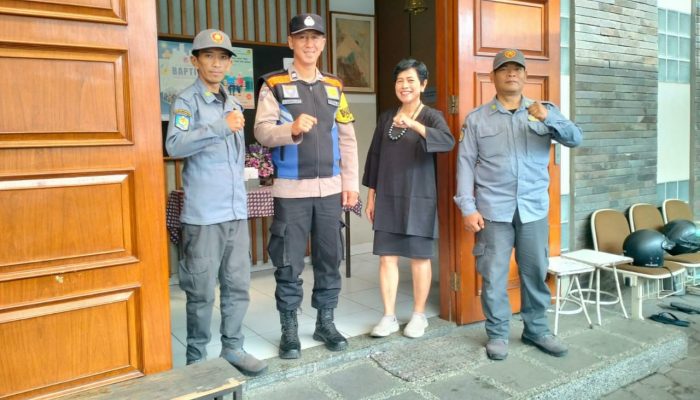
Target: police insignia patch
column 182, row 122
column 217, row 37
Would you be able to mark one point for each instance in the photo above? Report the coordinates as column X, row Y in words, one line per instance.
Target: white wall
column 354, row 6
column 673, row 119
column 565, row 108
column 673, row 132
column 364, row 107
column 677, row 5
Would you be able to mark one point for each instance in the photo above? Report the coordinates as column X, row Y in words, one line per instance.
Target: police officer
column 206, row 129
column 303, row 115
column 502, row 183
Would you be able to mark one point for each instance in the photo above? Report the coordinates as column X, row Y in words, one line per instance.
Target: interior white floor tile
column 260, row 347
column 356, row 284
column 373, row 299
column 359, row 309
column 358, row 323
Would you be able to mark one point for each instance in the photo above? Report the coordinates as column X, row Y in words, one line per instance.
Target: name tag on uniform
column 290, row 91
column 334, row 103
column 291, row 101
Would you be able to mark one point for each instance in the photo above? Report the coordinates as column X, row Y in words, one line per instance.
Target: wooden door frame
column 446, row 79
column 454, row 242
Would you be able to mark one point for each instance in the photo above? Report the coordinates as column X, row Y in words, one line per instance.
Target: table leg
column 253, row 240
column 583, row 304
column 556, row 305
column 619, row 293
column 597, row 295
column 264, row 240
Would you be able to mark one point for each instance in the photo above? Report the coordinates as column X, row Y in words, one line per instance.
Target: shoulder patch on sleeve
column 182, row 122
column 344, row 116
column 182, row 111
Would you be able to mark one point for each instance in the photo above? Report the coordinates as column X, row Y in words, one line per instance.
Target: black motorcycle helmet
column 684, row 234
column 646, row 247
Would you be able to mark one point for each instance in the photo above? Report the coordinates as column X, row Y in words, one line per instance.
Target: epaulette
column 332, row 79
column 275, row 78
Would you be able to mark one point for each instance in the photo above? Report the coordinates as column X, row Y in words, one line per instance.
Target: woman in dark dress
column 402, row 198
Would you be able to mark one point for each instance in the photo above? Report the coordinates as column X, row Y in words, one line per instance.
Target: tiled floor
column 359, row 308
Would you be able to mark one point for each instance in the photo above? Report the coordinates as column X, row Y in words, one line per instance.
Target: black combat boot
column 289, row 343
column 326, row 332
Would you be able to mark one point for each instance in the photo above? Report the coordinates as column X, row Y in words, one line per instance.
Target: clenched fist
column 235, row 120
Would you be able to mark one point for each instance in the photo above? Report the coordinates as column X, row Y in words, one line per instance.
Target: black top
column 402, row 173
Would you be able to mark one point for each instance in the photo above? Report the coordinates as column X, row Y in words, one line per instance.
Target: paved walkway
column 622, row 359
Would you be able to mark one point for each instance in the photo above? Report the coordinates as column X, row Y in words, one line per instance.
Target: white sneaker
column 386, row 326
column 416, row 326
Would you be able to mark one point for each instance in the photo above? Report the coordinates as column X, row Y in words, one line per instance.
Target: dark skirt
column 396, row 244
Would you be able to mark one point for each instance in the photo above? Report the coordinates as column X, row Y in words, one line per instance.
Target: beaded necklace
column 400, row 134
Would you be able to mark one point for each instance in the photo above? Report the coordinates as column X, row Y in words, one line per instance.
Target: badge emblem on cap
column 509, row 53
column 308, row 21
column 217, row 37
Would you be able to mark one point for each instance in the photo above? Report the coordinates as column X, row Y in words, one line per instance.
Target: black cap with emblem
column 306, row 22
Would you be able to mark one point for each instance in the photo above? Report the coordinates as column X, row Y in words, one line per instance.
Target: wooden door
column 474, row 32
column 83, row 271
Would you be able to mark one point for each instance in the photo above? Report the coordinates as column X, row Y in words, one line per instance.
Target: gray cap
column 508, row 55
column 306, row 22
column 212, row 38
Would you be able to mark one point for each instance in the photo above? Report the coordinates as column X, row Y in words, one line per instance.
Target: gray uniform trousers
column 215, row 251
column 293, row 220
column 494, row 245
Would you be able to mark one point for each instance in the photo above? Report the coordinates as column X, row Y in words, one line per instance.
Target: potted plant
column 259, row 157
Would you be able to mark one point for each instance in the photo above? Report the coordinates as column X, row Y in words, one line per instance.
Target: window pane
column 662, row 20
column 684, row 72
column 684, row 27
column 684, row 49
column 662, row 45
column 672, row 71
column 564, row 31
column 672, row 22
column 662, row 70
column 565, row 61
column 672, row 49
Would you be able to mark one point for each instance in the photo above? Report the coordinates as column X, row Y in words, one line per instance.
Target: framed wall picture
column 353, row 51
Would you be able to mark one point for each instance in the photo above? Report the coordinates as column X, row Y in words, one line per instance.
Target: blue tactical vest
column 318, row 154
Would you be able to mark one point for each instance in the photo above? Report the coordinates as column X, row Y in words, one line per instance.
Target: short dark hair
column 408, row 63
column 195, row 53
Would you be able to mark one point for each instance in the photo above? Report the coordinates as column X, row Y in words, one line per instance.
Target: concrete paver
column 620, row 360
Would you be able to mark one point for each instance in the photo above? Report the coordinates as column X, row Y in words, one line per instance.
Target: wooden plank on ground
column 206, row 380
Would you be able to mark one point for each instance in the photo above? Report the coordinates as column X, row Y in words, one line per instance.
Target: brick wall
column 615, row 104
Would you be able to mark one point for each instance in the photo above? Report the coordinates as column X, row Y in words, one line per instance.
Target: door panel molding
column 48, row 118
column 527, row 23
column 106, row 11
column 73, row 333
column 94, row 223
